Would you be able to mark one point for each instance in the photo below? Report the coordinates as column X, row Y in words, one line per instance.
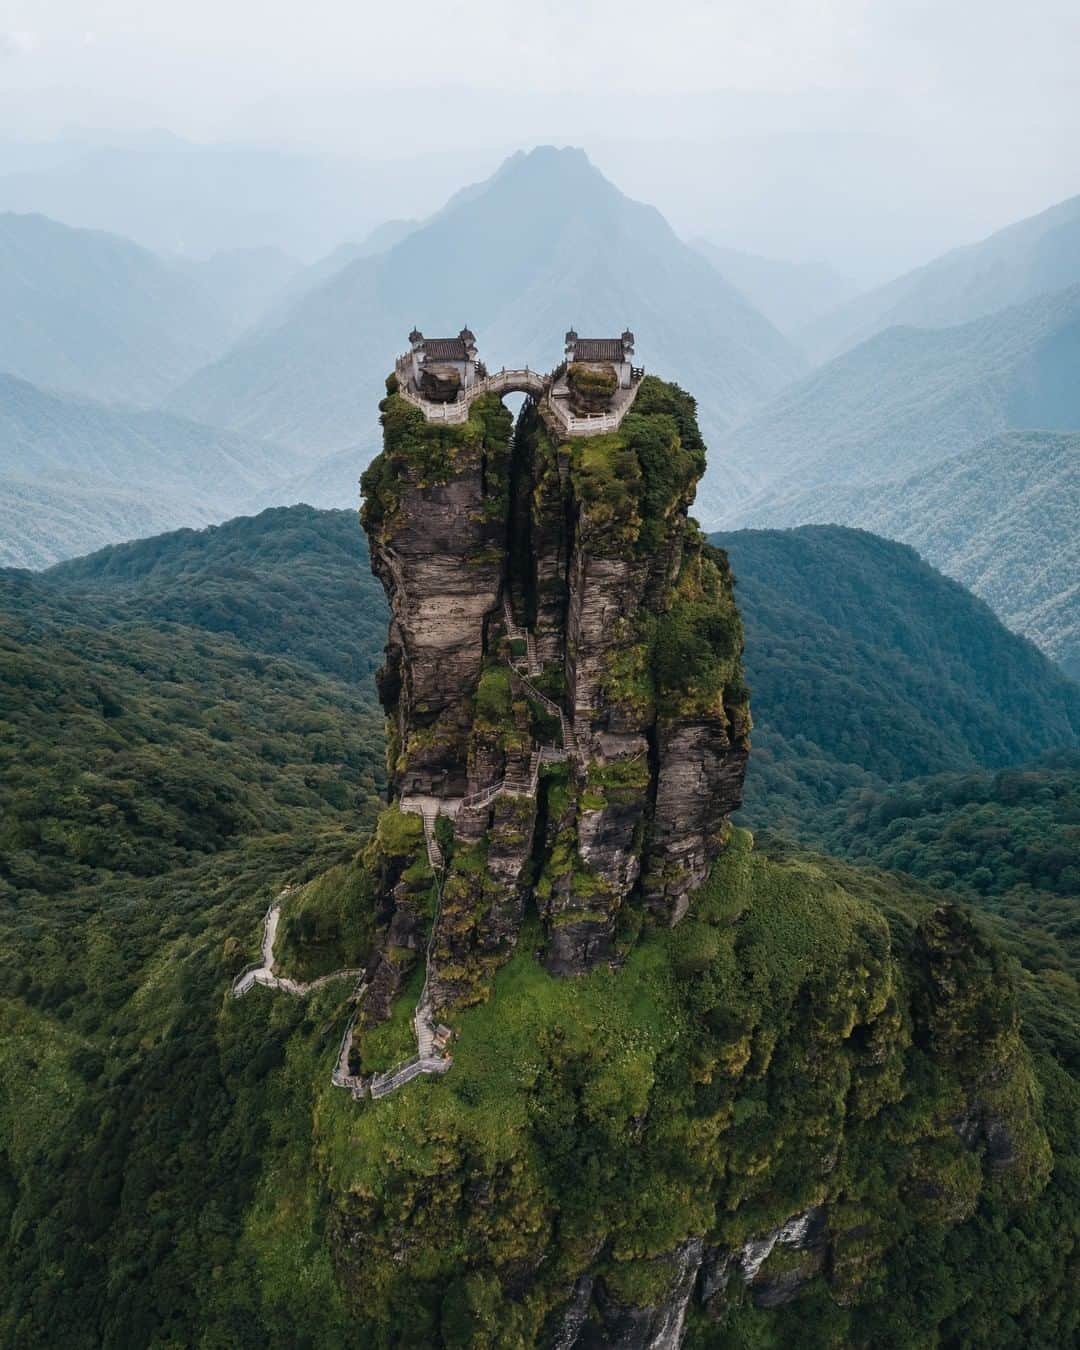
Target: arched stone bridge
column 517, row 380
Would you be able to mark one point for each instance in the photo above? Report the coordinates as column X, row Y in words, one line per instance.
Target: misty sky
column 872, row 134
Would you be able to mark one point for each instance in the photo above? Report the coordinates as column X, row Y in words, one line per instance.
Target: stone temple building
column 441, row 367
column 617, row 352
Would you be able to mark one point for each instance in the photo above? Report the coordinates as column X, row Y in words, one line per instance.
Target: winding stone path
column 264, row 974
column 428, row 1059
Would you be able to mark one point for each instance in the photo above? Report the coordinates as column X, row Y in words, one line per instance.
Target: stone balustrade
column 520, row 380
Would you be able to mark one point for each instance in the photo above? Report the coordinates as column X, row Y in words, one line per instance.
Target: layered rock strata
column 599, row 783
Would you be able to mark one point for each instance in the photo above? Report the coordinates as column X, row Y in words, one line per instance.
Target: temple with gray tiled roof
column 617, row 352
column 443, row 366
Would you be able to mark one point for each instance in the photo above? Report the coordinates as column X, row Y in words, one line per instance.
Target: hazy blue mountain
column 331, row 483
column 789, row 294
column 76, row 474
column 1031, row 258
column 244, row 283
column 545, row 244
column 868, row 666
column 379, row 240
column 175, row 196
column 899, row 403
column 1001, row 518
column 98, row 315
column 40, row 524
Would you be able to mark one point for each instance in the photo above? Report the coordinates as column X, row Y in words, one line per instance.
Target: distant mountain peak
column 543, row 243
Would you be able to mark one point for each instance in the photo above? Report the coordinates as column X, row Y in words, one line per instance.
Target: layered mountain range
column 545, row 243
column 999, row 517
column 901, row 402
column 76, row 474
column 1033, row 257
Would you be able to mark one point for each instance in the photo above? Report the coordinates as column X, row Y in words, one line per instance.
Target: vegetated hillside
column 1030, row 258
column 868, row 667
column 544, row 245
column 789, row 294
column 292, row 582
column 95, row 314
column 137, row 748
column 1001, row 518
column 1009, row 841
column 185, row 655
column 177, row 1168
column 158, row 783
column 61, row 456
column 902, row 402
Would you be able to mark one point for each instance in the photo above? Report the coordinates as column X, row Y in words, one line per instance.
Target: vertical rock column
column 436, row 523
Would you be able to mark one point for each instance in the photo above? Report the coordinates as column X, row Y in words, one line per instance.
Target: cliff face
column 560, row 629
column 763, row 1083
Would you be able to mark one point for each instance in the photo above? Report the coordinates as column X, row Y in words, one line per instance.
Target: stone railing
column 519, row 379
column 384, row 1083
column 509, row 786
column 485, row 795
column 595, row 424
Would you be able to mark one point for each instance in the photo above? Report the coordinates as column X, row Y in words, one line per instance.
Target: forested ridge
column 190, row 725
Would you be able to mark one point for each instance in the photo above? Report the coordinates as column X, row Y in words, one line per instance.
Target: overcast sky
column 974, row 107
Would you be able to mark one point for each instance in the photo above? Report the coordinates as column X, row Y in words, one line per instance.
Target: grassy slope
column 620, row 1111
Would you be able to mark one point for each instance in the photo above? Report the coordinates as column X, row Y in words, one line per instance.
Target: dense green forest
column 1008, row 842
column 867, row 667
column 190, row 724
column 183, row 734
column 999, row 518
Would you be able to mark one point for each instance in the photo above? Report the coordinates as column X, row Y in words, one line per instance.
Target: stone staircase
column 425, row 1033
column 262, row 971
column 533, row 661
column 428, row 1058
column 569, row 736
column 382, row 1084
column 429, row 809
column 429, row 813
column 516, row 633
column 522, row 781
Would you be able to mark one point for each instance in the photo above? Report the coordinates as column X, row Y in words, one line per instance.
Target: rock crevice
column 632, row 727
